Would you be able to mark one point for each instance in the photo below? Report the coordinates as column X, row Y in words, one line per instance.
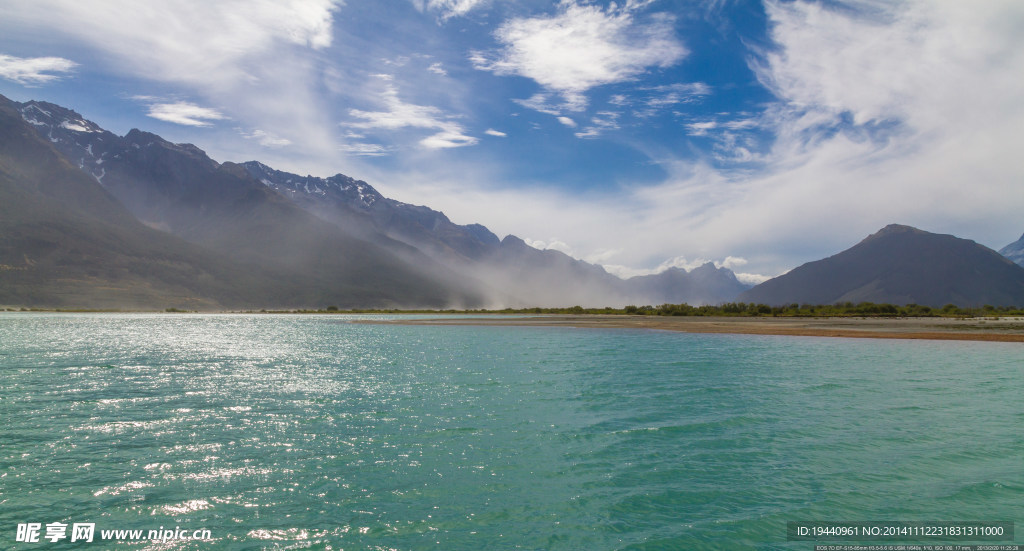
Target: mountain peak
column 896, row 229
column 44, row 114
column 142, row 139
column 513, row 240
column 1014, row 251
column 901, row 265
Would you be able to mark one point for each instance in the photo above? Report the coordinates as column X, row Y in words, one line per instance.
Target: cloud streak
column 184, row 113
column 398, row 114
column 246, row 58
column 266, row 139
column 447, row 8
column 33, row 71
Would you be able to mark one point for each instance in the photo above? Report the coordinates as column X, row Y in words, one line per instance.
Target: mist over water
column 314, row 432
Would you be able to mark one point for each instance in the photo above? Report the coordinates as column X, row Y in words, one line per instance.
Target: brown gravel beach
column 969, row 329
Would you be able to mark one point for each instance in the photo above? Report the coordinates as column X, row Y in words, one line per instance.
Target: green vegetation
column 729, row 309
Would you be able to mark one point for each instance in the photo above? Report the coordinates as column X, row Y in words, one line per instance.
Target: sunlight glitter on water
column 302, row 431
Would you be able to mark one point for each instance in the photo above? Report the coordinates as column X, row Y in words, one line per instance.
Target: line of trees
column 869, row 309
column 746, row 309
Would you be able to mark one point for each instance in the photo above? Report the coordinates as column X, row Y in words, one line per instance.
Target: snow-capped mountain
column 178, row 189
column 356, row 205
column 1014, row 251
column 83, row 142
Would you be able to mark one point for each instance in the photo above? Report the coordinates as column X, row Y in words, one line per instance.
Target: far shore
column 980, row 328
column 965, row 329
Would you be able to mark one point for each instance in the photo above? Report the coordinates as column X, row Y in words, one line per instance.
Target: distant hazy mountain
column 516, row 274
column 901, row 265
column 1014, row 251
column 284, row 240
column 703, row 285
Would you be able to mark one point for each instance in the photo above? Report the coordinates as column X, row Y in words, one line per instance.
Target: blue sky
column 638, row 134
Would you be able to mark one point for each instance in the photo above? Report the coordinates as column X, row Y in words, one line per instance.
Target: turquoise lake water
column 312, row 432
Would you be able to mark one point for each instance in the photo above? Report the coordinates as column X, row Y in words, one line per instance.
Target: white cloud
column 700, row 128
column 601, row 122
column 493, row 132
column 447, row 8
column 437, row 68
column 752, row 279
column 567, row 121
column 250, row 56
column 365, row 149
column 185, row 39
column 674, row 94
column 399, row 114
column 185, row 113
column 32, row 71
column 541, row 102
column 266, row 139
column 681, row 262
column 447, row 139
column 581, row 47
column 553, row 244
column 909, row 117
column 733, row 262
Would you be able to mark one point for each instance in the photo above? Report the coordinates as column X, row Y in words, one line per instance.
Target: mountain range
column 91, row 219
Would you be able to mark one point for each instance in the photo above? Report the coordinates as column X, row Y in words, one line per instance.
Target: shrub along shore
column 731, row 309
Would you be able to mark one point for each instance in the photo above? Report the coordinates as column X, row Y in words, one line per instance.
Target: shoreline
column 985, row 329
column 970, row 329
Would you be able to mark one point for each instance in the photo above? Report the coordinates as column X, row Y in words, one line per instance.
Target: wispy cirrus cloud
column 243, row 54
column 210, row 40
column 33, row 71
column 600, row 123
column 264, row 138
column 581, row 47
column 541, row 103
column 398, row 114
column 365, row 149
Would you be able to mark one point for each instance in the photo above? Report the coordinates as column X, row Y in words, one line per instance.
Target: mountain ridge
column 337, row 237
column 67, row 242
column 178, row 189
